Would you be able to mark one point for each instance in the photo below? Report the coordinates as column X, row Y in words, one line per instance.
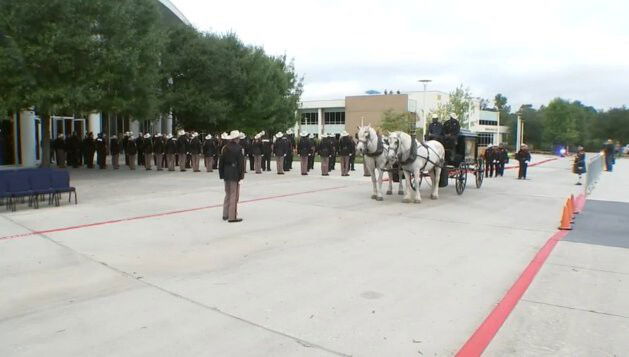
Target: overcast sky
column 530, row 51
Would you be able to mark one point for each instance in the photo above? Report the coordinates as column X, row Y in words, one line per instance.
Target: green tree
column 560, row 126
column 395, row 121
column 500, row 102
column 459, row 102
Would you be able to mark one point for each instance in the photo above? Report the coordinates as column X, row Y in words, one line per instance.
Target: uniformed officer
column 524, row 157
column 125, row 141
column 231, row 170
column 304, row 150
column 89, row 148
column 489, row 161
column 313, row 150
column 171, row 151
column 325, row 147
column 256, row 151
column 101, row 151
column 279, row 149
column 267, row 149
column 147, row 148
column 195, row 150
column 158, row 151
column 451, row 130
column 209, row 150
column 290, row 137
column 345, row 148
column 139, row 141
column 132, row 151
column 502, row 158
column 182, row 150
column 435, row 129
column 579, row 166
column 114, row 150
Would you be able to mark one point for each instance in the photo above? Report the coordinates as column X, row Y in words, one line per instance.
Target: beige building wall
column 371, row 108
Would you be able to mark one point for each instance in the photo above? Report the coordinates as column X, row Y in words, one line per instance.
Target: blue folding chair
column 61, row 184
column 41, row 184
column 19, row 187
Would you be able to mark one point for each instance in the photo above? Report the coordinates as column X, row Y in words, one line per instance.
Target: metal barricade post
column 594, row 170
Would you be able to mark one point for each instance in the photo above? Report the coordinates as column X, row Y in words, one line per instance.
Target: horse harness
column 379, row 147
column 413, row 156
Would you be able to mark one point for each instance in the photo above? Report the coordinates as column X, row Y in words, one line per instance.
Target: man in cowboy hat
column 131, row 151
column 345, row 148
column 304, row 149
column 195, row 150
column 256, row 151
column 158, row 151
column 114, row 150
column 209, row 150
column 335, row 145
column 324, row 151
column 59, row 146
column 147, row 148
column 171, row 150
column 101, row 151
column 451, row 130
column 231, row 169
column 182, row 149
column 290, row 138
column 279, row 149
column 313, row 149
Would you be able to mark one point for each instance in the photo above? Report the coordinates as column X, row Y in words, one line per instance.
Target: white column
column 93, row 123
column 320, row 122
column 27, row 138
column 518, row 134
column 167, row 124
column 134, row 126
column 15, row 141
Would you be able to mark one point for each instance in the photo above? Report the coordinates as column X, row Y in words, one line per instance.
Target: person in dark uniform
column 579, row 166
column 101, row 151
column 290, row 137
column 131, row 151
column 231, row 169
column 209, row 150
column 524, row 157
column 279, row 149
column 489, row 161
column 125, row 141
column 182, row 150
column 196, row 149
column 304, row 150
column 313, row 151
column 139, row 142
column 610, row 152
column 345, row 148
column 325, row 147
column 267, row 150
column 352, row 154
column 147, row 148
column 451, row 130
column 158, row 151
column 114, row 150
column 171, row 151
column 89, row 148
column 246, row 143
column 256, row 151
column 435, row 129
column 502, row 158
column 59, row 146
column 188, row 153
column 335, row 144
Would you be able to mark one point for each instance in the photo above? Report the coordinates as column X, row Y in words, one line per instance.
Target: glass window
column 485, row 139
column 334, row 118
column 309, row 118
column 487, row 122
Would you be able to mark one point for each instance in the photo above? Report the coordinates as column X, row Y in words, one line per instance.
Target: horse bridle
column 366, row 142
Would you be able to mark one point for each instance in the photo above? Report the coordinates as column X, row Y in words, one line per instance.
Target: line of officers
column 186, row 150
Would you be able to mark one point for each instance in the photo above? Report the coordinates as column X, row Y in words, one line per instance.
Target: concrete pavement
column 316, row 268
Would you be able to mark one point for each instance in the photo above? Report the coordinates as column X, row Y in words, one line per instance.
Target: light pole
column 425, row 83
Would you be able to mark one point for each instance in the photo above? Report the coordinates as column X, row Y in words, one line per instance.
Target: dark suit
column 231, row 169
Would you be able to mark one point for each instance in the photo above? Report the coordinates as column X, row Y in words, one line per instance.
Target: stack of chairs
column 34, row 184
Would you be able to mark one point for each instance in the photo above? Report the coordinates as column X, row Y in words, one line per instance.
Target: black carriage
column 462, row 158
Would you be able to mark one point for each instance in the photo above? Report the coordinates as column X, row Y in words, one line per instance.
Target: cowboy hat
column 242, row 136
column 234, row 134
column 258, row 136
column 147, row 135
column 158, row 135
column 181, row 132
column 208, row 137
column 344, row 133
column 279, row 135
column 289, row 131
column 435, row 116
column 454, row 116
column 303, row 134
column 169, row 136
column 331, row 135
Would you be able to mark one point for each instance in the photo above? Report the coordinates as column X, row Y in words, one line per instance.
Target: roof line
column 175, row 11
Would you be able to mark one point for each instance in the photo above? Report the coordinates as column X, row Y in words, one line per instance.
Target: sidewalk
column 578, row 305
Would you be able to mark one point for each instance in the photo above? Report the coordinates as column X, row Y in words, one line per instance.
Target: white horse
column 374, row 148
column 427, row 158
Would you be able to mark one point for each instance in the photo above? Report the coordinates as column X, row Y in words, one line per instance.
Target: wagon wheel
column 480, row 173
column 461, row 178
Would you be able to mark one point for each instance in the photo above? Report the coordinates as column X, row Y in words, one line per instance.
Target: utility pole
column 424, row 115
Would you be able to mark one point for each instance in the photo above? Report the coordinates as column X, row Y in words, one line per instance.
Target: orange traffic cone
column 570, row 210
column 565, row 220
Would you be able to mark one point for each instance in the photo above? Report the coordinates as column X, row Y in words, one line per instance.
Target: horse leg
column 418, row 196
column 400, row 189
column 390, row 176
column 380, row 174
column 409, row 189
column 435, row 175
column 374, row 196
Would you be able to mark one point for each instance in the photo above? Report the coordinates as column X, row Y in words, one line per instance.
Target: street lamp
column 425, row 83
